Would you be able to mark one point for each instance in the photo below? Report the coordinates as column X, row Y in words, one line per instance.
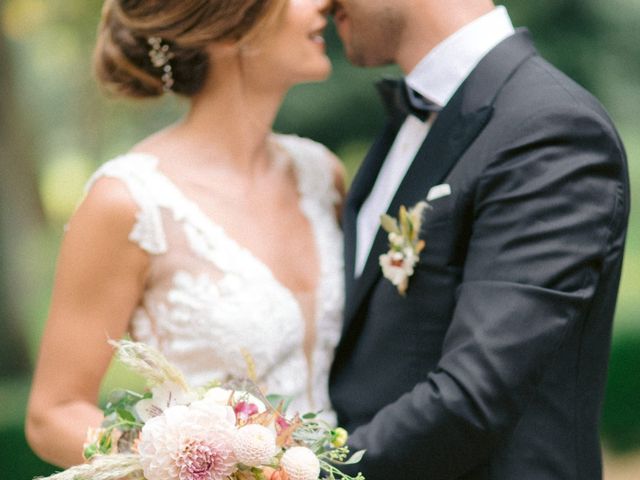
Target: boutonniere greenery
column 405, row 245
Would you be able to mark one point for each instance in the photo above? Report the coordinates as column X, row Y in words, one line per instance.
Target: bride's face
column 294, row 50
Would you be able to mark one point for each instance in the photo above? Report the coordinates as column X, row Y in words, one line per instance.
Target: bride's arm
column 99, row 281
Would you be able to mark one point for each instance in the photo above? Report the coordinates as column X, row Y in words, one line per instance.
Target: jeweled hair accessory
column 161, row 56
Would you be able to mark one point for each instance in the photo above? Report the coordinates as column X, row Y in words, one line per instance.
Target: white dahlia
column 255, row 445
column 300, row 463
column 189, row 443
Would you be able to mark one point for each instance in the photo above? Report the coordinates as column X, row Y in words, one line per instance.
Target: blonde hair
column 121, row 57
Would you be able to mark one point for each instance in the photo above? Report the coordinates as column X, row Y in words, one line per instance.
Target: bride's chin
column 320, row 73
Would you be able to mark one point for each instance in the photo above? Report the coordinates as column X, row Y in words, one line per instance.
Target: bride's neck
column 234, row 116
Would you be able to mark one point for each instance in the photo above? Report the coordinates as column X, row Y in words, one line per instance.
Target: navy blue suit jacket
column 494, row 364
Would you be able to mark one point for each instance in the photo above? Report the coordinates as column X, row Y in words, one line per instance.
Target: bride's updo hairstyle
column 186, row 27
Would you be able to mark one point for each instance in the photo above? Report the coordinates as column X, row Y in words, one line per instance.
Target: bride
column 214, row 239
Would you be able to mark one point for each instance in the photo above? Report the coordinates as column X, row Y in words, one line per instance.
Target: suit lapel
column 360, row 188
column 456, row 127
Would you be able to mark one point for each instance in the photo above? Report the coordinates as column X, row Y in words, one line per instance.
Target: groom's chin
column 360, row 59
column 362, row 55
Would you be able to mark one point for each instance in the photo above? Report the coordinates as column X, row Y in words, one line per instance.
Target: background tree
column 20, row 216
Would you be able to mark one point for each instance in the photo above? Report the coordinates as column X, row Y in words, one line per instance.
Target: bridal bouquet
column 230, row 432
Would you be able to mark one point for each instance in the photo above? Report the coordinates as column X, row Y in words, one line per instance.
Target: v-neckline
column 210, row 223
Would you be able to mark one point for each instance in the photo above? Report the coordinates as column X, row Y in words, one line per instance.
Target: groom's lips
column 338, row 12
column 339, row 17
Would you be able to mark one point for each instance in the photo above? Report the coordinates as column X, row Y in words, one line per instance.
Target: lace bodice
column 209, row 301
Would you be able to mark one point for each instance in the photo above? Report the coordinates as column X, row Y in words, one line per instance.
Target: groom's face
column 370, row 30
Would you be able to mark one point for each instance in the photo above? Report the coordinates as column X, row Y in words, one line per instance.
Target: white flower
column 189, row 443
column 165, row 395
column 300, row 463
column 396, row 240
column 221, row 396
column 410, row 258
column 255, row 445
column 404, row 245
column 397, row 267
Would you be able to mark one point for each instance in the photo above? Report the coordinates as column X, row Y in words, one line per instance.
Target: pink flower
column 189, row 443
column 244, row 410
column 282, row 423
column 210, row 459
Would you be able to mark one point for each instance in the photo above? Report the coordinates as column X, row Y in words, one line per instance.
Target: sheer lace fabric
column 209, row 302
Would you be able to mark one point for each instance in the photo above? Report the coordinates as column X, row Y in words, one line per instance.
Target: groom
column 492, row 364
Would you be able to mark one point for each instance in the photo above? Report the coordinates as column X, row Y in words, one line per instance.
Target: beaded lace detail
column 209, row 301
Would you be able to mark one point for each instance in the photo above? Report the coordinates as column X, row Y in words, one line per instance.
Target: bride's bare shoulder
column 108, row 206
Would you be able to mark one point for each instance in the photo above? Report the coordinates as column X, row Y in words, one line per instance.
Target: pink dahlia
column 204, row 460
column 189, row 443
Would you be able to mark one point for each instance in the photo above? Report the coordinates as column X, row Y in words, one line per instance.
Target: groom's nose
column 326, row 6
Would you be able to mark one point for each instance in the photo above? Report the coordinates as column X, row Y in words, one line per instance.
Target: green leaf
column 90, row 451
column 105, row 443
column 276, row 400
column 126, row 415
column 355, row 458
column 258, row 474
column 123, row 399
column 405, row 223
column 389, row 224
column 309, row 416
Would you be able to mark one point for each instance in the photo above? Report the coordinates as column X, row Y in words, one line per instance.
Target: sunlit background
column 56, row 126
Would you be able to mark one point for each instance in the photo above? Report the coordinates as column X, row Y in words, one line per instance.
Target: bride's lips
column 317, row 35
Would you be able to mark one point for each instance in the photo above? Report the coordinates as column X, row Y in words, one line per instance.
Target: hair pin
column 161, row 55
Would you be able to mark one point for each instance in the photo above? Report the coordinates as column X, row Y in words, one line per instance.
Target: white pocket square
column 439, row 191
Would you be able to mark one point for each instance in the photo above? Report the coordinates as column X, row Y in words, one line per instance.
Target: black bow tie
column 398, row 101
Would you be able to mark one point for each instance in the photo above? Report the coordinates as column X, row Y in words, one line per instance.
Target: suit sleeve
column 545, row 211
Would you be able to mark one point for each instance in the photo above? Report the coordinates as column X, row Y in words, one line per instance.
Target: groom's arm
column 548, row 210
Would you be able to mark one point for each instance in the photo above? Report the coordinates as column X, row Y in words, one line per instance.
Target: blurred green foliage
column 621, row 418
column 67, row 126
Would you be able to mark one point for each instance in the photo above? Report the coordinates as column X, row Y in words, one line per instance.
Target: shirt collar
column 439, row 74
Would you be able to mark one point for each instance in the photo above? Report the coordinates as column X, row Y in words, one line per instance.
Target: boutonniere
column 404, row 245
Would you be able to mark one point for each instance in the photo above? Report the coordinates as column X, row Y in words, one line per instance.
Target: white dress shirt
column 436, row 77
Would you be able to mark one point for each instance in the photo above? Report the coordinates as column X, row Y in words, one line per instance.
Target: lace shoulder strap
column 314, row 164
column 137, row 171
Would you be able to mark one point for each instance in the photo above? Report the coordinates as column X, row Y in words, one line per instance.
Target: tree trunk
column 20, row 217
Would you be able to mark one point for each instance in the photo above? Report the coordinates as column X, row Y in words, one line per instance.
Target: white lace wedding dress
column 209, row 301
